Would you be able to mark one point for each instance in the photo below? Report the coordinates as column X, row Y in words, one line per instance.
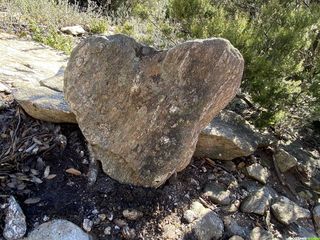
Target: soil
column 29, row 146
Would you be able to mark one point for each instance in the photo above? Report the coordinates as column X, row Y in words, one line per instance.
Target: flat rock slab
column 31, row 70
column 227, row 137
column 43, row 103
column 140, row 109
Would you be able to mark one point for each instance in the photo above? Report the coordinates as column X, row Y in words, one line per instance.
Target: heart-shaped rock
column 141, row 110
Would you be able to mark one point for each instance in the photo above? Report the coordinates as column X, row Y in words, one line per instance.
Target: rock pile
column 142, row 110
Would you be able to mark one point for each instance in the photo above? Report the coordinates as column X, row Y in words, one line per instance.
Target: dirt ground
column 35, row 155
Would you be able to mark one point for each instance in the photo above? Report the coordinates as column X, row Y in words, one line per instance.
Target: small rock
column 233, row 228
column 87, row 224
column 285, row 160
column 128, row 233
column 102, row 216
column 316, row 218
column 236, row 237
column 73, row 30
column 58, row 230
column 217, row 193
column 107, row 230
column 196, row 211
column 256, row 171
column 287, row 211
column 132, row 214
column 255, row 203
column 209, row 227
column 120, row 222
column 260, row 234
column 15, row 221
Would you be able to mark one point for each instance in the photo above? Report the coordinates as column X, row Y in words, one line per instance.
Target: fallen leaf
column 32, row 200
column 51, row 176
column 36, row 180
column 73, row 171
column 46, row 172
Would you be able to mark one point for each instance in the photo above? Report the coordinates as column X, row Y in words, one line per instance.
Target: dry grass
column 43, row 19
column 52, row 13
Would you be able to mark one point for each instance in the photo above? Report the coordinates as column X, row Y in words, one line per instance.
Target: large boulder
column 228, row 136
column 140, row 109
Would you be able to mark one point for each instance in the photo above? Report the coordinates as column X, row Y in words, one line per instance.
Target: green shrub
column 51, row 38
column 98, row 26
column 279, row 41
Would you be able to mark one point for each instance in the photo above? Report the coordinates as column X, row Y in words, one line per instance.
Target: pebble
column 15, row 221
column 58, row 230
column 87, row 224
column 197, row 210
column 120, row 222
column 258, row 172
column 132, row 214
column 209, row 227
column 107, row 230
column 102, row 216
column 287, row 211
column 255, row 203
column 128, row 233
column 260, row 234
column 73, row 30
column 217, row 193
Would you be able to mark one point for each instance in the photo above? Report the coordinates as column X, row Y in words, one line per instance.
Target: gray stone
column 255, row 203
column 15, row 221
column 73, row 30
column 209, row 227
column 217, row 193
column 58, row 230
column 140, row 109
column 316, row 218
column 196, row 211
column 132, row 214
column 87, row 224
column 228, row 136
column 260, row 234
column 258, row 172
column 284, row 160
column 233, row 228
column 287, row 211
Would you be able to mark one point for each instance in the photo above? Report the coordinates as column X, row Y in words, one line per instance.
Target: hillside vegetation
column 279, row 40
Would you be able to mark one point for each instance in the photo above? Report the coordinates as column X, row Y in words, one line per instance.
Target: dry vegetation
column 44, row 18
